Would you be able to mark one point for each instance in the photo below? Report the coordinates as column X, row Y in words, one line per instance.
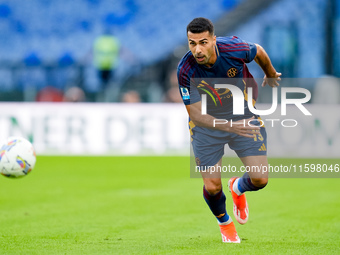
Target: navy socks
column 245, row 184
column 216, row 204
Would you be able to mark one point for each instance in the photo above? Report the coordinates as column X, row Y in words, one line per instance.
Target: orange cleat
column 229, row 234
column 241, row 210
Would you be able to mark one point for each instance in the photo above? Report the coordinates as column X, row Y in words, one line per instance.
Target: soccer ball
column 17, row 157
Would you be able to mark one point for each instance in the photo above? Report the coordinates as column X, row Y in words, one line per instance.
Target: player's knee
column 213, row 187
column 260, row 182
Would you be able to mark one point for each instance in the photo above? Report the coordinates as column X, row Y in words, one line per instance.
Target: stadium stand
column 61, row 33
column 49, row 43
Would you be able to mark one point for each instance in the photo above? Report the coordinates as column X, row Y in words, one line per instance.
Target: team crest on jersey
column 185, row 93
column 232, row 72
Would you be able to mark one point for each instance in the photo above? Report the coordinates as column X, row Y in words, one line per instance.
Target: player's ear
column 214, row 38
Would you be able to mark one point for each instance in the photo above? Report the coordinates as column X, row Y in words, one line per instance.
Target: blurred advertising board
column 157, row 129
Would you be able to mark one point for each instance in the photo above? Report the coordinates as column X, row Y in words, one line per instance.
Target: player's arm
column 271, row 76
column 240, row 127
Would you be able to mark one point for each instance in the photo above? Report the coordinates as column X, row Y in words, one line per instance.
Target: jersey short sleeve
column 238, row 48
column 188, row 91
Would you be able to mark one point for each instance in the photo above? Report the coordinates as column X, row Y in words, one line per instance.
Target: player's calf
column 247, row 183
column 216, row 203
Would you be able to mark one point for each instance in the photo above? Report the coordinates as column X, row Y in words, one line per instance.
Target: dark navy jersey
column 195, row 79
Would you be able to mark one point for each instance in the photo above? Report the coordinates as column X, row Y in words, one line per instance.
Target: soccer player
column 224, row 57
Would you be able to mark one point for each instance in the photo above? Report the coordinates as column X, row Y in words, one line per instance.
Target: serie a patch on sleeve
column 185, row 93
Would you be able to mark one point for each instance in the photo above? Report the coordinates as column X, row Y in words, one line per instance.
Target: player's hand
column 241, row 127
column 272, row 81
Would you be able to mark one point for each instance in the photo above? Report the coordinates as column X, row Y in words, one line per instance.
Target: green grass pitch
column 149, row 205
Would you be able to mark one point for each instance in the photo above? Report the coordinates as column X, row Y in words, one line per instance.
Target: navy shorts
column 209, row 149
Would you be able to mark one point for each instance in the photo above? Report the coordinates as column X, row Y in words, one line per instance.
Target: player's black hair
column 200, row 25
